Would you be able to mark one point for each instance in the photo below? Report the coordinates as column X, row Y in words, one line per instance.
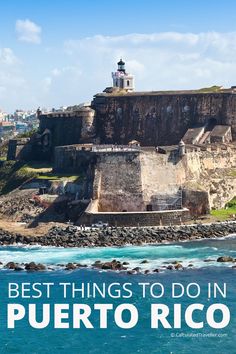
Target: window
column 127, row 82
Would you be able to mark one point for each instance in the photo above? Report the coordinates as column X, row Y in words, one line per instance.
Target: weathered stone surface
column 159, row 118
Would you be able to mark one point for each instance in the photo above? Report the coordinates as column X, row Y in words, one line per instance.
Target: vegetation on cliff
column 28, row 134
column 228, row 212
column 45, row 171
column 214, row 88
column 14, row 173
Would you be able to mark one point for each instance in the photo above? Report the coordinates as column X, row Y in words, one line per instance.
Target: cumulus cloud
column 7, row 57
column 82, row 67
column 28, row 31
column 160, row 61
column 12, row 82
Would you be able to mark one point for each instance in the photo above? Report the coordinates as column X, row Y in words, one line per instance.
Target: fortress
column 148, row 158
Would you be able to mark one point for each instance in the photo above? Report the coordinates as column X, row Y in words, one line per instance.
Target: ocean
column 142, row 338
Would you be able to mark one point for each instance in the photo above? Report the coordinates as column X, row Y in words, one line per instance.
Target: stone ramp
column 193, row 135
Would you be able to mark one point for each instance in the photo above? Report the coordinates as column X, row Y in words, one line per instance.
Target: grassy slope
column 210, row 89
column 44, row 171
column 227, row 212
column 14, row 173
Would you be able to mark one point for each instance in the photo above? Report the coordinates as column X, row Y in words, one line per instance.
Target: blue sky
column 62, row 52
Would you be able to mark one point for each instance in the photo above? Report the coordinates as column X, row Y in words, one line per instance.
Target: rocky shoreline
column 114, row 265
column 73, row 236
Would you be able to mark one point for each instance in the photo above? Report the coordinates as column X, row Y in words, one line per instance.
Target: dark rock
column 170, row 267
column 41, row 266
column 11, row 265
column 225, row 259
column 32, row 266
column 70, row 266
column 178, row 266
column 137, row 269
column 156, row 270
column 107, row 265
column 208, row 260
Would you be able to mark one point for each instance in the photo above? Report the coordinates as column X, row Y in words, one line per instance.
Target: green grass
column 232, row 172
column 214, row 88
column 59, row 177
column 27, row 134
column 14, row 173
column 44, row 171
column 227, row 212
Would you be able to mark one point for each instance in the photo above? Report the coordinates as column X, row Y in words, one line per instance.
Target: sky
column 62, row 52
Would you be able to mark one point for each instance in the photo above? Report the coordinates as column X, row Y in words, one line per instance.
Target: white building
column 121, row 79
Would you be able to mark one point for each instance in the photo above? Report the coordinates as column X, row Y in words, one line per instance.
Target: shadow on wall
column 196, row 201
column 63, row 209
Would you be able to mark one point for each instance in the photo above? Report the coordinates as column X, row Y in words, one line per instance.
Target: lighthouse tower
column 121, row 79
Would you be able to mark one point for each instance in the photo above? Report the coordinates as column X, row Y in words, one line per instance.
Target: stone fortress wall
column 134, row 181
column 198, row 175
column 127, row 180
column 152, row 118
column 155, row 118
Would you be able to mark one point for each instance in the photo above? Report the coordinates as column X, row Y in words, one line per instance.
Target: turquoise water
column 141, row 338
column 195, row 253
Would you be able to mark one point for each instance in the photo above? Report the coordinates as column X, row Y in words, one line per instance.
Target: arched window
column 127, row 82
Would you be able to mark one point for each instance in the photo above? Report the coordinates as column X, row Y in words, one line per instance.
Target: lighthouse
column 121, row 79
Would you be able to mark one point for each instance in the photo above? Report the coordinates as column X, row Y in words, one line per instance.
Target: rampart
column 154, row 218
column 130, row 180
column 159, row 118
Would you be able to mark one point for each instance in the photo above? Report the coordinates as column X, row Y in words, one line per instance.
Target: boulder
column 170, row 267
column 137, row 269
column 32, row 266
column 178, row 266
column 225, row 259
column 156, row 270
column 11, row 265
column 70, row 266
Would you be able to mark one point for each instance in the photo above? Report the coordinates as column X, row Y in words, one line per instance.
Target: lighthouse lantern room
column 121, row 79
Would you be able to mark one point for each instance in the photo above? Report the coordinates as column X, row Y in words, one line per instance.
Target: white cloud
column 14, row 88
column 28, row 31
column 159, row 61
column 7, row 57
